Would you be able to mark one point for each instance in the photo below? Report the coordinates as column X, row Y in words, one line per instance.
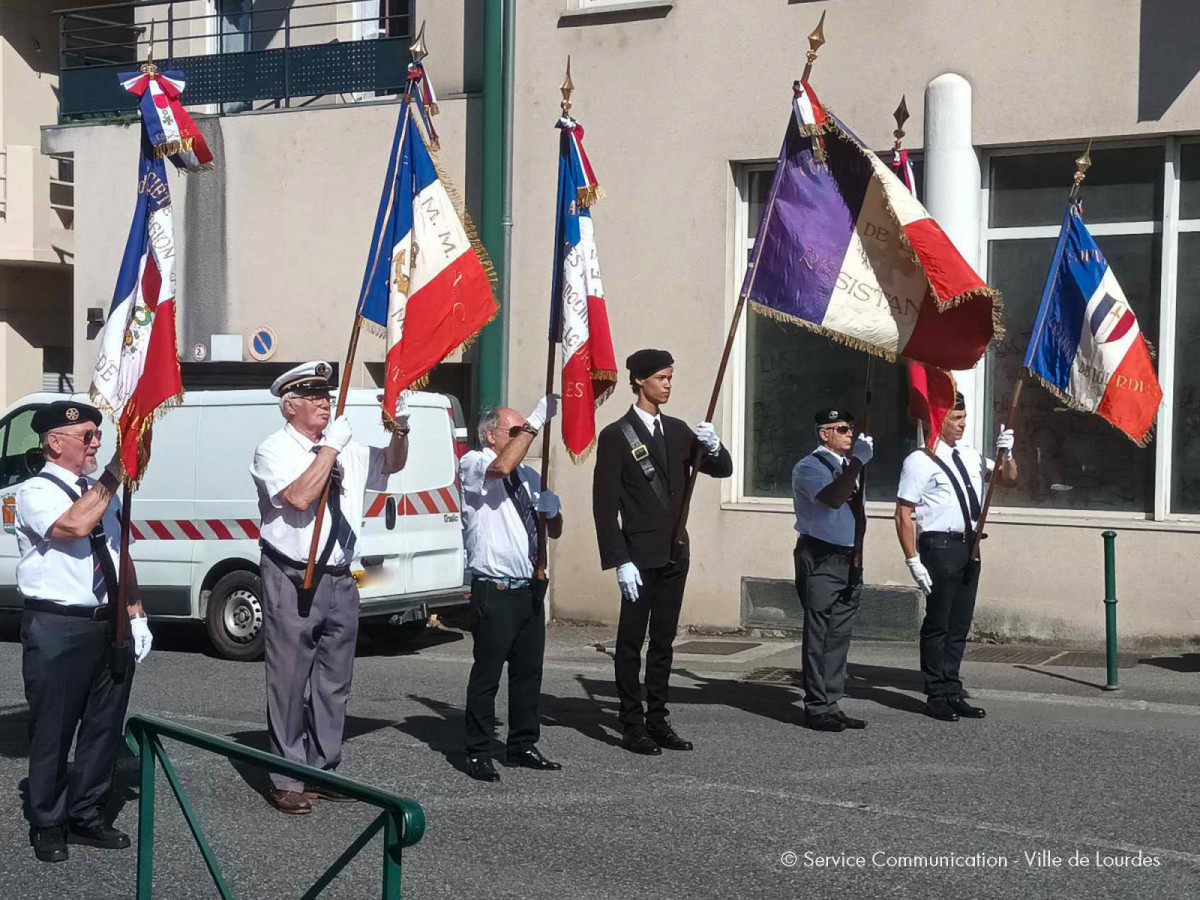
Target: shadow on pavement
column 1092, row 684
column 14, row 731
column 1185, row 662
column 442, row 732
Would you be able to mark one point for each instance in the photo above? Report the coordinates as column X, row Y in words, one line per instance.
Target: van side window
column 21, row 448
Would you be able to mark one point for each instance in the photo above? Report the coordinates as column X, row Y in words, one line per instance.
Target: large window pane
column 1189, row 181
column 1123, row 185
column 790, row 374
column 1185, row 454
column 759, row 191
column 1068, row 459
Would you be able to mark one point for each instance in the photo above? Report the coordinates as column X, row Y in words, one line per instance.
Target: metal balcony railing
column 245, row 52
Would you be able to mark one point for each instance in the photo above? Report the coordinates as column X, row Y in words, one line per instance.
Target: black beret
column 959, row 401
column 644, row 363
column 62, row 413
column 831, row 416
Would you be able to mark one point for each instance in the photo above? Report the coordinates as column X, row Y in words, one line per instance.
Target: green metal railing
column 402, row 820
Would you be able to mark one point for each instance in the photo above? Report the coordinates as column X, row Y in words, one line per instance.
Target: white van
column 195, row 515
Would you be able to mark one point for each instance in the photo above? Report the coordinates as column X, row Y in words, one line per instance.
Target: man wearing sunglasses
column 310, row 634
column 824, row 485
column 68, row 534
column 502, row 500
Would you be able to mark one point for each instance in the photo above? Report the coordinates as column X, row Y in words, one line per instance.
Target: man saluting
column 642, row 465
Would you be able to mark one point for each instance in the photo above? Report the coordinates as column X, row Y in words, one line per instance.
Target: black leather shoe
column 940, row 709
column 531, row 758
column 964, row 709
column 827, row 722
column 636, row 740
column 481, row 768
column 49, row 844
column 103, row 836
column 851, row 722
column 664, row 735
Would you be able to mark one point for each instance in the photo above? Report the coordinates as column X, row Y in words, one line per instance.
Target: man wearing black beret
column 643, row 461
column 68, row 534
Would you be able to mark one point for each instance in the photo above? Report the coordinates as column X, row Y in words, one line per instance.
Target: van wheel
column 235, row 616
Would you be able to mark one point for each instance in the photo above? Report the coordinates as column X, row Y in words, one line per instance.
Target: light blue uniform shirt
column 813, row 518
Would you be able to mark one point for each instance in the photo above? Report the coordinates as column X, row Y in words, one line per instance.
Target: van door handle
column 389, row 513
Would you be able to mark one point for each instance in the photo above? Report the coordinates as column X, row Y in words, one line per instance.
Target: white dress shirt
column 497, row 541
column 649, row 420
column 59, row 569
column 814, row 518
column 924, row 484
column 282, row 458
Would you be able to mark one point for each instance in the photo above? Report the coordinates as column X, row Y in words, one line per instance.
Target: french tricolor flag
column 578, row 313
column 845, row 250
column 1086, row 347
column 168, row 127
column 137, row 370
column 426, row 283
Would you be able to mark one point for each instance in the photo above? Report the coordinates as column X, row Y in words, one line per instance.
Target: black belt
column 949, row 535
column 819, row 546
column 282, row 559
column 101, row 613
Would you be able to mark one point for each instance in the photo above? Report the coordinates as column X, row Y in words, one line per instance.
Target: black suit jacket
column 643, row 533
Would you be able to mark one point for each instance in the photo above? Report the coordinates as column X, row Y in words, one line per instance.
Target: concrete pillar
column 952, row 196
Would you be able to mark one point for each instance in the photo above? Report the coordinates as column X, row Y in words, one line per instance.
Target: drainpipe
column 490, row 366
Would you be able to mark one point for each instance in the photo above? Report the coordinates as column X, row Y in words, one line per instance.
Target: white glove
column 920, row 575
column 142, row 639
column 401, row 413
column 1005, row 440
column 864, row 448
column 338, row 434
column 546, row 409
column 708, row 437
column 629, row 578
column 548, row 504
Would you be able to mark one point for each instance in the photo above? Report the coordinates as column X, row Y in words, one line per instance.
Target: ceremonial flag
column 845, row 250
column 1086, row 347
column 578, row 314
column 137, row 372
column 427, row 283
column 167, row 126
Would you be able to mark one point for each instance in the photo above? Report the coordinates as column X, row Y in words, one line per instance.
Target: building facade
column 684, row 104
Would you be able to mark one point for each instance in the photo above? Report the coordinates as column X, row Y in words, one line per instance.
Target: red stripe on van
column 164, row 534
column 250, row 527
column 219, row 529
column 377, row 506
column 136, row 532
column 409, row 509
column 430, row 504
column 190, row 530
column 448, row 497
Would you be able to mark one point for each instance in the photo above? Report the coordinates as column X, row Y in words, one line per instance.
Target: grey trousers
column 310, row 638
column 829, row 593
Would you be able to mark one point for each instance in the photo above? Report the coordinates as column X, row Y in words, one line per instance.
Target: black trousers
column 69, row 685
column 660, row 598
column 949, row 609
column 510, row 626
column 829, row 589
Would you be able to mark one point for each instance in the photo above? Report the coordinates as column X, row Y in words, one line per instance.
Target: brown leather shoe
column 316, row 792
column 290, row 803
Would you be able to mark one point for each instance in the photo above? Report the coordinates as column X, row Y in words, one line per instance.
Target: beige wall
column 669, row 104
column 35, row 308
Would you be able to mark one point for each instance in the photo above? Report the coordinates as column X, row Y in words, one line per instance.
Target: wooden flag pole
column 543, row 543
column 815, row 40
column 1082, row 164
column 119, row 660
column 419, row 52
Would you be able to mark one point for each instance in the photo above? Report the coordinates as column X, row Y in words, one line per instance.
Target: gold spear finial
column 567, row 88
column 1082, row 164
column 148, row 66
column 901, row 116
column 417, row 48
column 815, row 41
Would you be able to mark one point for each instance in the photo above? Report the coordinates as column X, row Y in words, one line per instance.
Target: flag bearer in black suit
column 642, row 465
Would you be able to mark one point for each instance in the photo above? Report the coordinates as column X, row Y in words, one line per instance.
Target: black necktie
column 104, row 573
column 516, row 493
column 972, row 497
column 660, row 441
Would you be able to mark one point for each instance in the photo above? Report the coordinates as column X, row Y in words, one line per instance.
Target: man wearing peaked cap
column 825, row 485
column 310, row 634
column 68, row 535
column 643, row 461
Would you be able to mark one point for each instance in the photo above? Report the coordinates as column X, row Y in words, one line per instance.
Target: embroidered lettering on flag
column 1087, row 348
column 845, row 250
column 167, row 126
column 578, row 313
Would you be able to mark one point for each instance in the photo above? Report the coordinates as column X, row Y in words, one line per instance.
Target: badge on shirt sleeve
column 9, row 511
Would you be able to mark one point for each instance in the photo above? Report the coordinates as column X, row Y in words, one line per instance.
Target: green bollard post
column 1110, row 606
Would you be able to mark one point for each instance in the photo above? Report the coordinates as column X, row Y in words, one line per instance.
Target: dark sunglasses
column 87, row 437
column 841, row 429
